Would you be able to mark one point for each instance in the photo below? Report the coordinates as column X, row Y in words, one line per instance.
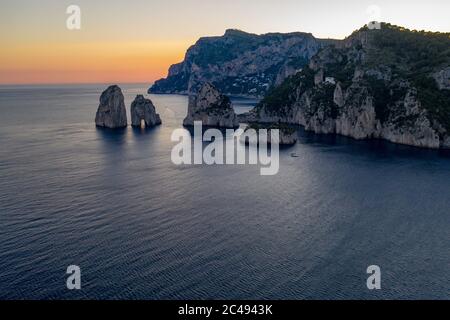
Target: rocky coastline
column 240, row 63
column 351, row 90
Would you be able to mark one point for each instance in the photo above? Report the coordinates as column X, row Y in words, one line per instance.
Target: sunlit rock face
column 211, row 108
column 111, row 112
column 143, row 112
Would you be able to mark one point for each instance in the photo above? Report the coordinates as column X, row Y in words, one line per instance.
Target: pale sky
column 137, row 40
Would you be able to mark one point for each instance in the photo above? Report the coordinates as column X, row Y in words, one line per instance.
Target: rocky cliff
column 240, row 63
column 143, row 110
column 111, row 112
column 287, row 135
column 391, row 84
column 212, row 108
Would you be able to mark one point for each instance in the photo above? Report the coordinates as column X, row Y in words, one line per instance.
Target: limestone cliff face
column 111, row 112
column 363, row 89
column 143, row 109
column 442, row 78
column 289, row 69
column 240, row 63
column 212, row 108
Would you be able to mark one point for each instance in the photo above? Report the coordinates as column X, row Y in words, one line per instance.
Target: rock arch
column 143, row 109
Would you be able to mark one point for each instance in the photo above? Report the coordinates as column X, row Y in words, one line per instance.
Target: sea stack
column 111, row 112
column 212, row 108
column 143, row 110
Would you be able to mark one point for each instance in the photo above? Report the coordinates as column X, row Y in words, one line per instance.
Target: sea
column 140, row 227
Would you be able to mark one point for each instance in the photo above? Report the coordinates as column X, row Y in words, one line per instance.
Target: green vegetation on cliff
column 239, row 63
column 414, row 56
column 436, row 101
column 409, row 52
column 390, row 61
column 283, row 96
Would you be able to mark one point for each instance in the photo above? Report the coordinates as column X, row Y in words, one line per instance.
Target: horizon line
column 73, row 83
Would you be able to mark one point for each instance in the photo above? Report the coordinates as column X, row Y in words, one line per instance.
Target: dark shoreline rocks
column 287, row 135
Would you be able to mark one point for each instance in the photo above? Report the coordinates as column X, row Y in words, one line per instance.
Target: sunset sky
column 137, row 40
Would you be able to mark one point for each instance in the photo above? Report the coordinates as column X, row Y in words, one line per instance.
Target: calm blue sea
column 142, row 228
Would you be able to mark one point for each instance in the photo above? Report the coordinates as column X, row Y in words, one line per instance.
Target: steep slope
column 391, row 83
column 111, row 112
column 240, row 63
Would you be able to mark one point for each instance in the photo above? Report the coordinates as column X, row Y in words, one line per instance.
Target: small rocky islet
column 212, row 108
column 143, row 110
column 209, row 106
column 287, row 134
column 112, row 113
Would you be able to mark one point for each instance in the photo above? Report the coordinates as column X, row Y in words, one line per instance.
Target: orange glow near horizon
column 124, row 62
column 122, row 41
